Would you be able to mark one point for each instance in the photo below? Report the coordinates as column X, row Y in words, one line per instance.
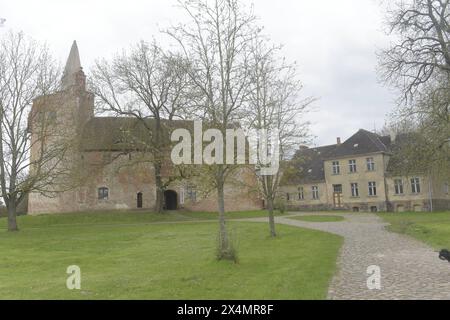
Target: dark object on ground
column 444, row 255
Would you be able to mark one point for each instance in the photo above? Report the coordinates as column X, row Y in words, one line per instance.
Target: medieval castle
column 354, row 175
column 112, row 178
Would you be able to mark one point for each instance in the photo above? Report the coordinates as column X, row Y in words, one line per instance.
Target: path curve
column 410, row 270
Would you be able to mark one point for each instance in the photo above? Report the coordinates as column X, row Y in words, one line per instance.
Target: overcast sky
column 333, row 42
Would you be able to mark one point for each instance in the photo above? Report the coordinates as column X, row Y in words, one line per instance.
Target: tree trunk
column 159, row 205
column 223, row 236
column 12, row 220
column 273, row 233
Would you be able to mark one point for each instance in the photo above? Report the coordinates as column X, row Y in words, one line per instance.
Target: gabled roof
column 308, row 163
column 123, row 133
column 362, row 142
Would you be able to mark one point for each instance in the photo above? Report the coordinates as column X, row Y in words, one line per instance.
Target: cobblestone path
column 409, row 268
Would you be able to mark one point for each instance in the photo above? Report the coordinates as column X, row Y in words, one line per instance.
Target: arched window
column 103, row 193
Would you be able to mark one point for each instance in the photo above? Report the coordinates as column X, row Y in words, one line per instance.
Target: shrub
column 229, row 252
column 280, row 206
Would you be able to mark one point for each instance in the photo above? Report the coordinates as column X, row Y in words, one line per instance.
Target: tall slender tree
column 275, row 108
column 217, row 41
column 27, row 71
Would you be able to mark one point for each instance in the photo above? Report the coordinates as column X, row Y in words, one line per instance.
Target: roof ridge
column 372, row 135
column 326, row 146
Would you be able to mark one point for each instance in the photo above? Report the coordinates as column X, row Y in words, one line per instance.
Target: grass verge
column 164, row 261
column 431, row 228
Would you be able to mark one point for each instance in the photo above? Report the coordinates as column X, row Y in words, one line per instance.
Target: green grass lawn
column 431, row 228
column 318, row 218
column 126, row 257
column 124, row 217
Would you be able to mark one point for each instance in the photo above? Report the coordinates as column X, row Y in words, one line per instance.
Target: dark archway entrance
column 139, row 200
column 170, row 200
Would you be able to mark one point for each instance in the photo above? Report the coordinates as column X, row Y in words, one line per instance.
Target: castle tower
column 64, row 115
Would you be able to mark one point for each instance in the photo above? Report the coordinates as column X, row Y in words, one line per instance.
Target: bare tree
column 276, row 109
column 217, row 42
column 150, row 86
column 26, row 72
column 422, row 52
column 418, row 64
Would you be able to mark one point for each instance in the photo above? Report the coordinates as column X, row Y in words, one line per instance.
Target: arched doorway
column 170, row 200
column 139, row 200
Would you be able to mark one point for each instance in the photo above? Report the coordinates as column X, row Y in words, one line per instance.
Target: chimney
column 338, row 141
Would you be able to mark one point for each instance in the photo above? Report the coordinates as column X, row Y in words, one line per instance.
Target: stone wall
column 125, row 177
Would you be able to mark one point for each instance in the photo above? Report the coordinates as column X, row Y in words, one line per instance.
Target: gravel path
column 409, row 268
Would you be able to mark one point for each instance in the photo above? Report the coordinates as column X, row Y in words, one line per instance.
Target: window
column 140, row 200
column 355, row 190
column 398, row 186
column 103, row 193
column 288, row 197
column 191, row 192
column 181, row 195
column 315, row 193
column 352, row 166
column 372, row 189
column 370, row 164
column 415, row 185
column 446, row 188
column 336, row 167
column 337, row 188
column 301, row 194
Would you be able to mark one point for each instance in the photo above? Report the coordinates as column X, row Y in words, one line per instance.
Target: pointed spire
column 73, row 67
